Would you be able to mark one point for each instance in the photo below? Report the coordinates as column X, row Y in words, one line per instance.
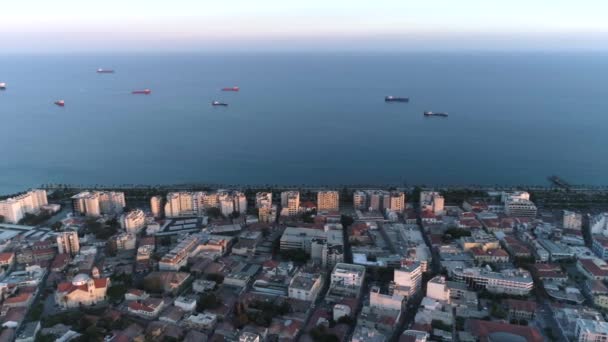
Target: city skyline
column 71, row 26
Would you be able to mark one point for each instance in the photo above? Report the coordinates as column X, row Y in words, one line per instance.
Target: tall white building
column 572, row 220
column 328, row 200
column 68, row 243
column 14, row 209
column 290, row 203
column 133, row 221
column 432, row 201
column 185, row 203
column 156, row 206
column 518, row 204
column 231, row 201
column 97, row 203
column 408, row 277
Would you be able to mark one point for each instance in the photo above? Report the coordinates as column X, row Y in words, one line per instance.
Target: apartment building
column 328, row 201
column 97, row 203
column 156, row 206
column 133, row 221
column 14, row 209
column 290, row 203
column 68, row 243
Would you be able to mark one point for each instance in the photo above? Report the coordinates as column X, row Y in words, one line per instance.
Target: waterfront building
column 290, row 203
column 133, row 221
column 97, row 203
column 328, row 201
column 518, row 204
column 14, row 209
column 68, row 243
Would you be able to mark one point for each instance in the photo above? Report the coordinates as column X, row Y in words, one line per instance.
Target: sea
column 515, row 118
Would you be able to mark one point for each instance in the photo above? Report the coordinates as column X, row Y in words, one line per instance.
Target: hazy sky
column 89, row 25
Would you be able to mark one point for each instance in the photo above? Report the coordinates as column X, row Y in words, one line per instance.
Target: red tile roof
column 6, row 257
column 592, row 268
column 20, row 298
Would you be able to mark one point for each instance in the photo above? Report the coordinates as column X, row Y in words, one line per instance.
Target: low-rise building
column 81, row 291
column 147, row 308
column 305, row 286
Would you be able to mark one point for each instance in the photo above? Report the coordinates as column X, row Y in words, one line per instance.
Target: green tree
column 208, row 301
column 346, row 221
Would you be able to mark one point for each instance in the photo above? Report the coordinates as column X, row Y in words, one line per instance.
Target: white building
column 68, row 243
column 328, row 201
column 290, row 203
column 133, row 221
column 186, row 303
column 437, row 289
column 263, row 200
column 510, row 281
column 305, row 286
column 572, row 220
column 384, row 301
column 14, row 209
column 599, row 224
column 347, row 278
column 518, row 204
column 97, row 203
column 588, row 330
column 379, row 200
column 341, row 310
column 408, row 277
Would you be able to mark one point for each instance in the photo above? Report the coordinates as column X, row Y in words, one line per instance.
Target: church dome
column 80, row 279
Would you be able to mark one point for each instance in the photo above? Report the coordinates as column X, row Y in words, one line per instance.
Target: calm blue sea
column 304, row 119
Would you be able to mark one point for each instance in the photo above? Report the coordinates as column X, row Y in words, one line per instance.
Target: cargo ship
column 231, row 89
column 442, row 114
column 2, row 85
column 218, row 103
column 396, row 99
column 145, row 91
column 60, row 103
column 105, row 71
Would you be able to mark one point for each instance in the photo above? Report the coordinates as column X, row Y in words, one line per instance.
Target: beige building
column 290, row 203
column 81, row 291
column 68, row 243
column 328, row 201
column 123, row 242
column 432, row 201
column 14, row 209
column 97, row 203
column 133, row 221
column 156, row 206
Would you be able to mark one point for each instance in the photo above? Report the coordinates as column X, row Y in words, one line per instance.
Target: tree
column 235, row 214
column 216, row 277
column 57, row 226
column 117, row 292
column 214, row 213
column 208, row 301
column 346, row 221
column 1, row 219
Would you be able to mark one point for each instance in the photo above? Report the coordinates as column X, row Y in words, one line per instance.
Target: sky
column 165, row 25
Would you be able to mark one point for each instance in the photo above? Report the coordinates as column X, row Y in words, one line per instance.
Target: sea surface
column 514, row 118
